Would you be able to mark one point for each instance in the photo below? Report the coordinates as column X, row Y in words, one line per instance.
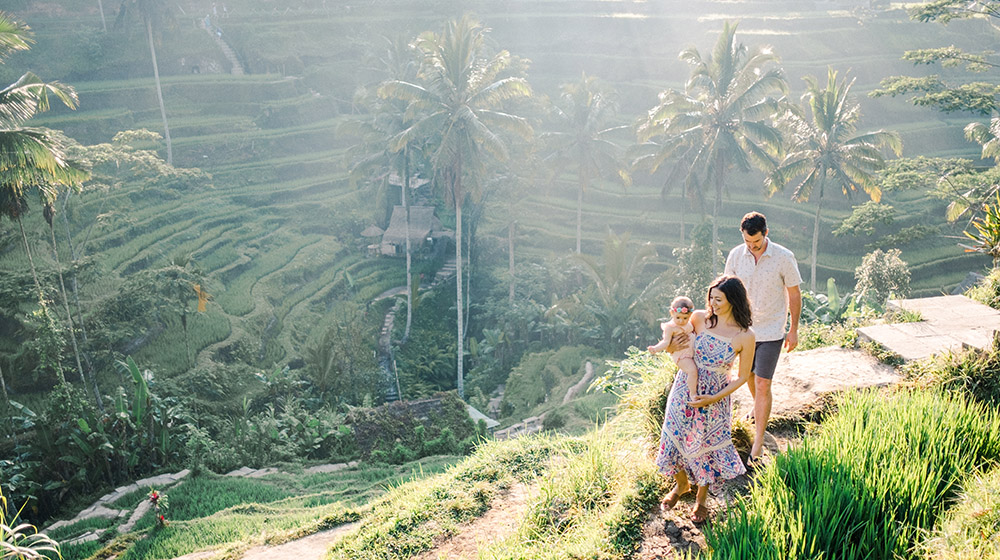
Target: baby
column 680, row 321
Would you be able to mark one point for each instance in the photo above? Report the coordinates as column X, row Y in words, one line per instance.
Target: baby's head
column 680, row 310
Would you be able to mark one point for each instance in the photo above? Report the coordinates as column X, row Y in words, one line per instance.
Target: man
column 772, row 279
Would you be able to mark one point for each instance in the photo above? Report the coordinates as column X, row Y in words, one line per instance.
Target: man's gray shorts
column 765, row 358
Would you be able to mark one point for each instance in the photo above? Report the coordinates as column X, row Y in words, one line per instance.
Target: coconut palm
column 388, row 119
column 459, row 106
column 988, row 136
column 583, row 117
column 618, row 296
column 153, row 13
column 30, row 158
column 721, row 121
column 825, row 150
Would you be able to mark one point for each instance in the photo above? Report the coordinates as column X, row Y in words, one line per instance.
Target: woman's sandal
column 667, row 504
column 695, row 518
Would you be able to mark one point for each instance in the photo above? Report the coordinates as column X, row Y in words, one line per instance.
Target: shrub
column 973, row 373
column 987, row 291
column 554, row 420
column 881, row 276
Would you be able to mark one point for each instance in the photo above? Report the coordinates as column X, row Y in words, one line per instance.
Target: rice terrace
column 378, row 279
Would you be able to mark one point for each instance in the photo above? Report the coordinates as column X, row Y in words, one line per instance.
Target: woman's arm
column 745, row 343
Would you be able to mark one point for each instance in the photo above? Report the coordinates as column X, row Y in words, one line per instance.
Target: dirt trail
column 312, row 547
column 500, row 521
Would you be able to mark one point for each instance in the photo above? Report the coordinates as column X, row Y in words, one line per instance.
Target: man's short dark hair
column 754, row 223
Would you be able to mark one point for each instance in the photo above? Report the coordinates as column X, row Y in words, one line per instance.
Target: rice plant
column 879, row 473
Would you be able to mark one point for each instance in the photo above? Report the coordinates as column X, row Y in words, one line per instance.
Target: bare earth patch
column 500, row 521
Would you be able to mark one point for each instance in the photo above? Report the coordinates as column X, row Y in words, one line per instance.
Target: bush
column 973, row 373
column 881, row 276
column 554, row 420
column 987, row 291
column 969, row 529
column 532, row 381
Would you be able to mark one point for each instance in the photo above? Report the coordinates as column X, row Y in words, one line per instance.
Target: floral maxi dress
column 699, row 440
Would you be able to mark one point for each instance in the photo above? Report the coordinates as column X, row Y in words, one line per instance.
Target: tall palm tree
column 459, row 105
column 30, row 157
column 721, row 120
column 826, row 151
column 153, row 14
column 988, row 136
column 582, row 140
column 389, row 117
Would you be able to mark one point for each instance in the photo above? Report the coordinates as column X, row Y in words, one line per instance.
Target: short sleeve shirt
column 766, row 281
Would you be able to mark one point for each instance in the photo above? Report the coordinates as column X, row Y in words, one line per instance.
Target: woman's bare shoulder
column 745, row 338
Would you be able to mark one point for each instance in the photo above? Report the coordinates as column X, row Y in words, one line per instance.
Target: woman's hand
column 702, row 401
column 678, row 341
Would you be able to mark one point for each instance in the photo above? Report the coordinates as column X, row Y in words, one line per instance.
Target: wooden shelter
column 426, row 232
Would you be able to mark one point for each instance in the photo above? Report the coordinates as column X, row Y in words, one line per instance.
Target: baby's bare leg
column 689, row 368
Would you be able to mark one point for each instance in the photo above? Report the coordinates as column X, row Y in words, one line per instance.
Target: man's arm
column 794, row 309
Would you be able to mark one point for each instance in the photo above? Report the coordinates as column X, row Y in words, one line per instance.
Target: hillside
column 275, row 130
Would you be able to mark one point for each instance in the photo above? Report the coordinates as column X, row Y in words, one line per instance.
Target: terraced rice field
column 272, row 230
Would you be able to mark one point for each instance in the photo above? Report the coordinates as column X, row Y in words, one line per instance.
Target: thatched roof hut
column 425, row 228
column 372, row 231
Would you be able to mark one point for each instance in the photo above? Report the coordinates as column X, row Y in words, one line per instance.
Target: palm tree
column 619, row 297
column 459, row 105
column 827, row 152
column 583, row 137
column 720, row 121
column 389, row 118
column 30, row 157
column 988, row 136
column 152, row 12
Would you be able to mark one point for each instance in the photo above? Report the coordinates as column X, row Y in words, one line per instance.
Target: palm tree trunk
column 74, row 284
column 815, row 245
column 159, row 92
column 100, row 8
column 69, row 319
column 3, row 385
column 409, row 283
column 31, row 261
column 510, row 258
column 457, row 195
column 579, row 209
column 458, row 294
column 38, row 287
column 716, row 207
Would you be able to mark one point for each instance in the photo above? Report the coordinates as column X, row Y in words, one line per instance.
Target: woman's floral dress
column 699, row 440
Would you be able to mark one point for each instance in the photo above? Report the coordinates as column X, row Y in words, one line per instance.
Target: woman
column 696, row 444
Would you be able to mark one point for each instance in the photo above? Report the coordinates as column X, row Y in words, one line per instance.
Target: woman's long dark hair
column 736, row 295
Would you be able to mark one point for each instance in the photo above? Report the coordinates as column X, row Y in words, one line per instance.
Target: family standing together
column 745, row 320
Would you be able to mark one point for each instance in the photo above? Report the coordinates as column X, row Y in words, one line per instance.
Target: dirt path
column 312, row 547
column 500, row 521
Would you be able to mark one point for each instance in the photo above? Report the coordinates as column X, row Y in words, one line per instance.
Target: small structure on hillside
column 427, row 236
column 373, row 230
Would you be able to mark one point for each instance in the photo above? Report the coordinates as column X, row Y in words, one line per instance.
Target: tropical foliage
column 825, row 150
column 582, row 138
column 719, row 123
column 460, row 108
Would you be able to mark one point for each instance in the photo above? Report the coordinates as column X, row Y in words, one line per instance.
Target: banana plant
column 830, row 308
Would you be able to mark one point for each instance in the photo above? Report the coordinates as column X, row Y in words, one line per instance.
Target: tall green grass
column 413, row 515
column 878, row 475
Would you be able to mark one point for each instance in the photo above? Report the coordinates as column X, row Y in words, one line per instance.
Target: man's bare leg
column 761, row 413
